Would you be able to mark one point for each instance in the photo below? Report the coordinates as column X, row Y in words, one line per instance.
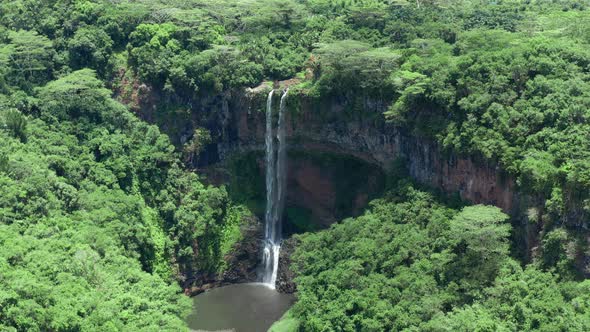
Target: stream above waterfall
column 251, row 307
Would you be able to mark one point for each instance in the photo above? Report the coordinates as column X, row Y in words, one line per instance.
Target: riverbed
column 251, row 307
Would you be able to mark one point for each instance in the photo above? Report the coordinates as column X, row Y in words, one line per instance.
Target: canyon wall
column 330, row 127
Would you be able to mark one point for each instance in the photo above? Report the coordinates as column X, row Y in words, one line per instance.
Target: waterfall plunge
column 275, row 192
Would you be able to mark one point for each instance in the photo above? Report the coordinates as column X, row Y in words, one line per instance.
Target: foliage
column 66, row 274
column 482, row 236
column 352, row 65
column 394, row 267
column 287, row 323
column 91, row 47
column 410, row 263
column 522, row 300
column 195, row 145
column 246, row 184
column 27, row 59
column 80, row 95
column 97, row 218
column 16, row 123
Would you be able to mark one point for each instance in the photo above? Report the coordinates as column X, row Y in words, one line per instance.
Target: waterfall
column 275, row 191
column 267, row 258
column 270, row 171
column 281, row 165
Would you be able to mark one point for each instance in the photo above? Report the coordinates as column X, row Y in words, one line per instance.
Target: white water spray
column 275, row 192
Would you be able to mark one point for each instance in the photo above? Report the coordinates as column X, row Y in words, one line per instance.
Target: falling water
column 275, row 192
column 281, row 166
column 270, row 168
column 267, row 258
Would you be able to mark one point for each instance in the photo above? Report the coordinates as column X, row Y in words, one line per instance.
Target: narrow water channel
column 249, row 307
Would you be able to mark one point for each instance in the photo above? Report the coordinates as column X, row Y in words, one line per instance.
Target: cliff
column 335, row 126
column 330, row 126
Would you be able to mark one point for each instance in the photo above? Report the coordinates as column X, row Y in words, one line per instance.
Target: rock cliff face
column 330, row 127
column 237, row 124
column 329, row 187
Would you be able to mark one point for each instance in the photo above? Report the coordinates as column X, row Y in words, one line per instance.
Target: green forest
column 103, row 214
column 412, row 264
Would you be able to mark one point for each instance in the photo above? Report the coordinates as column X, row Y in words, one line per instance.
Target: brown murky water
column 249, row 307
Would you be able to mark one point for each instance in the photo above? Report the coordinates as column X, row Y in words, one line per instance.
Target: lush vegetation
column 99, row 220
column 412, row 264
column 97, row 217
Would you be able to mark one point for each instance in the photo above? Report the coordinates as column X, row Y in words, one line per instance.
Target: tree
column 410, row 86
column 521, row 300
column 558, row 252
column 90, row 47
column 16, row 123
column 3, row 163
column 192, row 148
column 350, row 65
column 151, row 50
column 80, row 95
column 482, row 244
column 29, row 59
column 538, row 171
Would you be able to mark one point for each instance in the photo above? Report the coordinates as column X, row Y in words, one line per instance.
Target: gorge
column 330, row 127
column 238, row 120
column 295, row 165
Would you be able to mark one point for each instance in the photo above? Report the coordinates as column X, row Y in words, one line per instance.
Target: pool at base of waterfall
column 251, row 307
